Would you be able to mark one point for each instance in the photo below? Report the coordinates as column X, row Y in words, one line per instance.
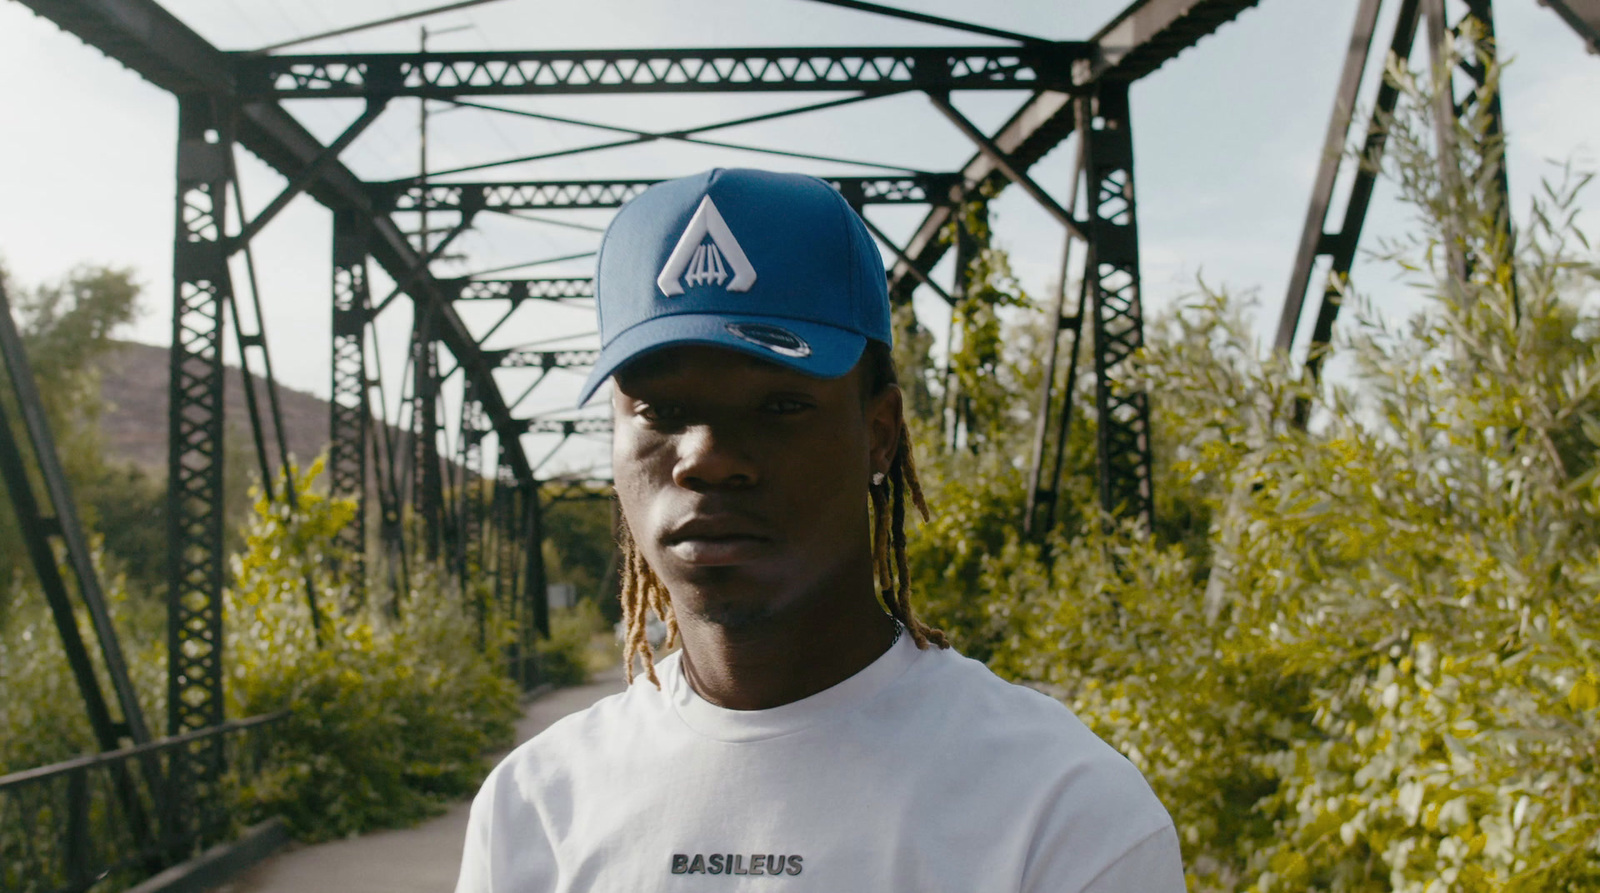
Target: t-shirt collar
column 755, row 725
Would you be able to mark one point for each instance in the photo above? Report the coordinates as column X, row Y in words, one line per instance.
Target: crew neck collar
column 737, row 726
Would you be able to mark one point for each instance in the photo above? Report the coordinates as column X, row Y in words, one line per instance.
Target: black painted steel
column 38, row 528
column 586, row 194
column 1145, row 36
column 1583, row 16
column 1475, row 176
column 72, row 825
column 427, row 486
column 559, row 288
column 1013, row 172
column 1114, row 297
column 1313, row 240
column 569, row 72
column 1039, row 510
column 522, row 358
column 202, row 288
column 1340, row 247
column 349, row 416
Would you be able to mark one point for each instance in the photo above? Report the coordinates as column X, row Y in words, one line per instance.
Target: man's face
column 744, row 483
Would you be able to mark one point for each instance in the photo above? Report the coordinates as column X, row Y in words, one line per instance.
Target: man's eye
column 786, row 406
column 660, row 412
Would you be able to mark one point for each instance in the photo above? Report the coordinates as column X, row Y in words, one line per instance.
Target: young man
column 811, row 734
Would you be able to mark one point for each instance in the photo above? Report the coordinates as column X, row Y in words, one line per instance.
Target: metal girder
column 1003, row 163
column 38, row 528
column 195, row 548
column 1044, row 487
column 1583, row 16
column 467, row 546
column 1473, row 171
column 567, row 427
column 349, row 416
column 1138, row 41
column 427, row 477
column 304, row 178
column 519, row 358
column 163, row 50
column 519, row 290
column 584, row 194
column 1148, row 34
column 1340, row 247
column 1114, row 296
column 568, row 72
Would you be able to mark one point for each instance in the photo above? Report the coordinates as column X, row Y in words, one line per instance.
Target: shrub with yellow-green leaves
column 1377, row 667
column 391, row 711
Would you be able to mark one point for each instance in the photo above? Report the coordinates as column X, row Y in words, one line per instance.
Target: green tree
column 66, row 328
column 1367, row 656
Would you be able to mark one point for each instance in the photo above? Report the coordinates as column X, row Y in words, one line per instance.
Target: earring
column 877, row 478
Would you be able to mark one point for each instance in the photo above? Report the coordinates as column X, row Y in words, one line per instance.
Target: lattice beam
column 548, row 195
column 195, row 557
column 518, row 290
column 522, row 358
column 571, row 72
column 1114, row 293
column 349, row 417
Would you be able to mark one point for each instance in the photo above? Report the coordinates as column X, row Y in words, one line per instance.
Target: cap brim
column 823, row 351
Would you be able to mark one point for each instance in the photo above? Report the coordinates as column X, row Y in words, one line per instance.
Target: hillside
column 134, row 421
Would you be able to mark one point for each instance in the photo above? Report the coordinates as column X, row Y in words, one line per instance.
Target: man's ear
column 884, row 426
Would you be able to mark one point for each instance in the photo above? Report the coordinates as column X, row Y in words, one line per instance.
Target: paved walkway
column 423, row 859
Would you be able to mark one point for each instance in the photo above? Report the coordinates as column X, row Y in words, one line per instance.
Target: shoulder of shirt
column 584, row 730
column 1026, row 731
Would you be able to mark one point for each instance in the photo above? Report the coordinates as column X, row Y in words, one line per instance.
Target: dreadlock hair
column 643, row 591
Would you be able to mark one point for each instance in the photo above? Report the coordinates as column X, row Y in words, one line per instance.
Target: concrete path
column 423, row 859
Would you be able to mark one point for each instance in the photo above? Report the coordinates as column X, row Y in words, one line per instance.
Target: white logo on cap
column 706, row 264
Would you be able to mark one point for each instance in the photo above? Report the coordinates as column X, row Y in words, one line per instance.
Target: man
column 811, row 734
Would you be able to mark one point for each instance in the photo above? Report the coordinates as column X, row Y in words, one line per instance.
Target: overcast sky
column 1227, row 138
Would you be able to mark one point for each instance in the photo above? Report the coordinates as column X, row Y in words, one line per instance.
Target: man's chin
column 728, row 597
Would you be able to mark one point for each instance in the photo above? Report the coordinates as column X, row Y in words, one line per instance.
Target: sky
column 1227, row 140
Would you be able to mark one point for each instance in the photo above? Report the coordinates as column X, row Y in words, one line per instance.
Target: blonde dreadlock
column 643, row 591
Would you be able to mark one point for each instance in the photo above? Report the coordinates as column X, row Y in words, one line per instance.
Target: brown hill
column 134, row 421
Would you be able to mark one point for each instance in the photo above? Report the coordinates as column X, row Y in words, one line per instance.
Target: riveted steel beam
column 1145, row 36
column 569, row 72
column 549, row 195
column 518, row 290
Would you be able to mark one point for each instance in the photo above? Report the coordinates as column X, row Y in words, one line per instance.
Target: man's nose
column 712, row 457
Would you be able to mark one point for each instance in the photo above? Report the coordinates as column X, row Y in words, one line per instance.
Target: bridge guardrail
column 69, row 826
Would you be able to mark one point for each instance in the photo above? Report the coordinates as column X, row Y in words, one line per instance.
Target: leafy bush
column 42, row 716
column 1376, row 663
column 564, row 658
column 391, row 716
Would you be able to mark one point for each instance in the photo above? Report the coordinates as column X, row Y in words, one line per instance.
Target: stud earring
column 877, row 478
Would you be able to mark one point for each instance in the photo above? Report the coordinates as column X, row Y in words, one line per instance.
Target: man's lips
column 716, row 540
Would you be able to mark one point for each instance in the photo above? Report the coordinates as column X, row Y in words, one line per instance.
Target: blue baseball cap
column 778, row 266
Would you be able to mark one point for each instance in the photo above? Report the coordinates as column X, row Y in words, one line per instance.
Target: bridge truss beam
column 577, row 72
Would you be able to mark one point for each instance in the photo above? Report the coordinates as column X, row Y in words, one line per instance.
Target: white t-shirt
column 922, row 773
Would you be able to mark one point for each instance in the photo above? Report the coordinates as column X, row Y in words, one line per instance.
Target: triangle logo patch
column 706, row 254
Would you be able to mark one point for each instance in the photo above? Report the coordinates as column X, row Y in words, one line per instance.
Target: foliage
column 66, row 330
column 579, row 547
column 42, row 716
column 1372, row 660
column 391, row 716
column 564, row 657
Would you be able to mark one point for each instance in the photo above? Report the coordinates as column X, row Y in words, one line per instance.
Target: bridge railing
column 66, row 827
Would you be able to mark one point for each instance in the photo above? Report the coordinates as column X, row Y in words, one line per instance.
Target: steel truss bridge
column 400, row 469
